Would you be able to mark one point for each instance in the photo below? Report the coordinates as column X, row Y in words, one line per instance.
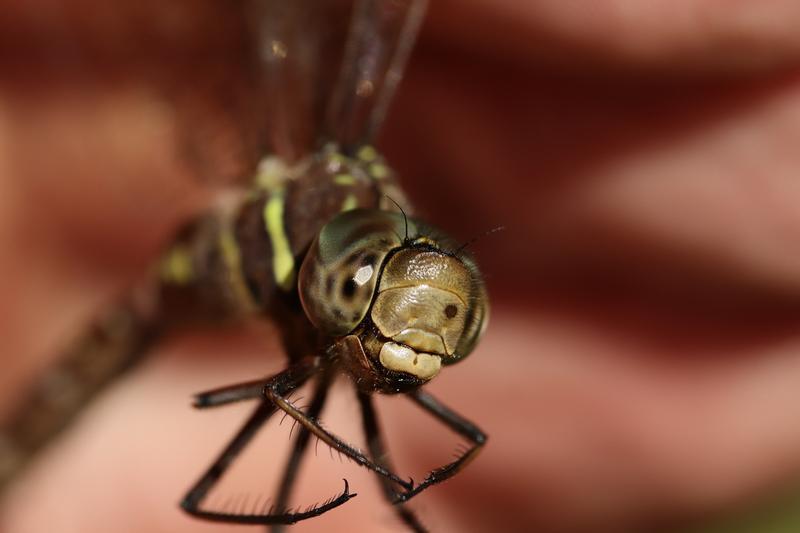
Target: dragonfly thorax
column 397, row 302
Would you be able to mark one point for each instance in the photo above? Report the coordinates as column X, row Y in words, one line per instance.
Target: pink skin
column 642, row 362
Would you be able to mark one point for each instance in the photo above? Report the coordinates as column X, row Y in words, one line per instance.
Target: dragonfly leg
column 273, row 393
column 238, row 392
column 458, row 424
column 286, row 381
column 377, row 451
column 299, row 449
column 229, row 394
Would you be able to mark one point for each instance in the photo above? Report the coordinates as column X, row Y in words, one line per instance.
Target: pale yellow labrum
column 403, row 359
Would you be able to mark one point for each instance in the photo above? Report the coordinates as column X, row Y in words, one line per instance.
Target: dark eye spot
column 368, row 259
column 329, row 282
column 450, row 311
column 349, row 288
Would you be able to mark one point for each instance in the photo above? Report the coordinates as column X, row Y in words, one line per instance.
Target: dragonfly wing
column 299, row 46
column 381, row 36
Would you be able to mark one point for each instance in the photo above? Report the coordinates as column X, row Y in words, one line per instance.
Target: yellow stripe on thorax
column 282, row 257
column 367, row 153
column 344, row 179
column 350, row 202
column 177, row 266
column 232, row 257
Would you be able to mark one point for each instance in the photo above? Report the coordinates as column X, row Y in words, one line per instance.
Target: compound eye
column 349, row 289
column 451, row 311
column 339, row 274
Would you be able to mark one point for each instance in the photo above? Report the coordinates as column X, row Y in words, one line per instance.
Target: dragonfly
column 325, row 244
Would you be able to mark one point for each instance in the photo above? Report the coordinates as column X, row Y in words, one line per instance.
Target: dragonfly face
column 391, row 300
column 406, row 303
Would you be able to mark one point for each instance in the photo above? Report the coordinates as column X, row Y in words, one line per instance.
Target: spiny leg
column 191, row 502
column 279, row 398
column 286, row 381
column 299, row 448
column 377, row 451
column 458, row 424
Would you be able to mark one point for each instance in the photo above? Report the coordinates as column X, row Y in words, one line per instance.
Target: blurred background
column 641, row 371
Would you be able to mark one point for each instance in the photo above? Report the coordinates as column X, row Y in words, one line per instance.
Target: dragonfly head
column 398, row 288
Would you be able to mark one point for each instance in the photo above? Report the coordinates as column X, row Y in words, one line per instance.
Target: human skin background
column 642, row 365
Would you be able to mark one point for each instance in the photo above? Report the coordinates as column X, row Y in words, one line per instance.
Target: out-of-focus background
column 641, row 371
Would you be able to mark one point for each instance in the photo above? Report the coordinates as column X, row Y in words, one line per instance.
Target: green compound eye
column 340, row 272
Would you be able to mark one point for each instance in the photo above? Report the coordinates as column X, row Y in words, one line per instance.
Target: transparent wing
column 330, row 68
column 298, row 43
column 381, row 36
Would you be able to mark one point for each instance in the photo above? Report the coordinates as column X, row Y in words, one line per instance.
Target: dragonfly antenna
column 474, row 239
column 405, row 217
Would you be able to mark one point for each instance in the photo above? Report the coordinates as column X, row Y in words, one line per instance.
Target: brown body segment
column 239, row 265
